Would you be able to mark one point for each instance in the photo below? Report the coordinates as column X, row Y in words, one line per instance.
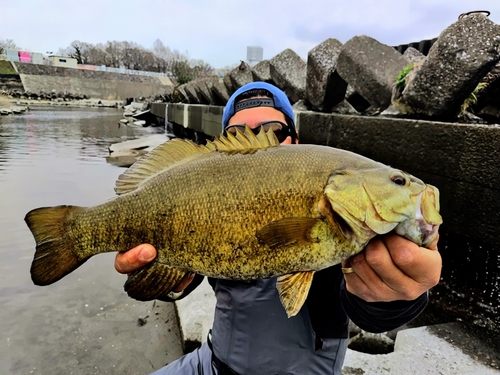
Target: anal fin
column 293, row 289
column 153, row 281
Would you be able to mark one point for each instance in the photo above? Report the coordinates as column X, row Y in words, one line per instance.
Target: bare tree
column 133, row 56
column 8, row 44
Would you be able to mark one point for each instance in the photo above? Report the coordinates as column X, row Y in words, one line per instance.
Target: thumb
column 132, row 260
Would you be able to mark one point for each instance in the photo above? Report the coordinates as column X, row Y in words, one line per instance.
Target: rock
column 300, row 106
column 372, row 343
column 359, row 103
column 241, row 75
column 344, row 108
column 490, row 113
column 425, row 350
column 324, row 87
column 371, row 68
column 140, row 123
column 125, row 158
column 137, row 106
column 124, row 154
column 124, row 121
column 229, row 85
column 204, row 94
column 192, row 95
column 262, row 72
column 128, row 113
column 488, row 92
column 179, row 95
column 289, row 71
column 18, row 110
column 413, row 55
column 218, row 90
column 463, row 54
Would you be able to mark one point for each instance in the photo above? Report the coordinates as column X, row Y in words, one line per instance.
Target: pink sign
column 24, row 57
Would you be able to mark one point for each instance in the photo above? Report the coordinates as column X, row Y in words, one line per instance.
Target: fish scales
column 200, row 207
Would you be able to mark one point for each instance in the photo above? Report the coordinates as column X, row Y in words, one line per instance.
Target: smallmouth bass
column 238, row 208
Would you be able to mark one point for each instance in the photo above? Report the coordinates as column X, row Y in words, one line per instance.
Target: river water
column 85, row 323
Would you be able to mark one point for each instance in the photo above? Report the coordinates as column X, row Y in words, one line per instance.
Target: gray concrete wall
column 94, row 84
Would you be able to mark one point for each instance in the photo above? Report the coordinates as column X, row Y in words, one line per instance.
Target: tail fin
column 54, row 256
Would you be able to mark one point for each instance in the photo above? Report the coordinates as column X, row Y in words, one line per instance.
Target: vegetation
column 7, row 44
column 6, row 67
column 401, row 78
column 133, row 56
column 471, row 101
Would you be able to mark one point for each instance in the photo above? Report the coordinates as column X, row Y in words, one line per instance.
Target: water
column 52, row 156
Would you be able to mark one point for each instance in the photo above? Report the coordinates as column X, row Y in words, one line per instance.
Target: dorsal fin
column 177, row 150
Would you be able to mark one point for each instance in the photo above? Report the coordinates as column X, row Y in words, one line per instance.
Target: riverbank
column 9, row 102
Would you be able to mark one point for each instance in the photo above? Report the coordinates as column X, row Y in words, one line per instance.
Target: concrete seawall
column 93, row 84
column 461, row 160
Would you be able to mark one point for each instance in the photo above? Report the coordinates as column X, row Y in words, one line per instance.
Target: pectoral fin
column 293, row 290
column 288, row 231
column 153, row 281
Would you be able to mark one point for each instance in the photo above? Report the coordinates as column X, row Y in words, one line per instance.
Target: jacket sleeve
column 377, row 317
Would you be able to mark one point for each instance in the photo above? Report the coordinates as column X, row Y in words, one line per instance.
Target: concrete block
column 371, row 68
column 180, row 95
column 212, row 120
column 192, row 95
column 241, row 75
column 419, row 351
column 262, row 72
column 463, row 54
column 413, row 55
column 289, row 71
column 324, row 87
column 229, row 85
column 218, row 91
column 177, row 114
column 204, row 95
column 196, row 315
column 194, row 117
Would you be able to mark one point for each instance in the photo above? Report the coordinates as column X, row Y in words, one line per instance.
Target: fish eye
column 399, row 180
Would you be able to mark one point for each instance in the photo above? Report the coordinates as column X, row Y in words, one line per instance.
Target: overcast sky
column 219, row 31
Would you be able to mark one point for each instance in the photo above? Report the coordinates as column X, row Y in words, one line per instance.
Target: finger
column 416, row 262
column 184, row 283
column 132, row 260
column 365, row 282
column 379, row 259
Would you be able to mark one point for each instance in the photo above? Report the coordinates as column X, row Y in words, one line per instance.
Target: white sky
column 219, row 31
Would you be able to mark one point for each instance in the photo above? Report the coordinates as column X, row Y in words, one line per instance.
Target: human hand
column 393, row 268
column 139, row 256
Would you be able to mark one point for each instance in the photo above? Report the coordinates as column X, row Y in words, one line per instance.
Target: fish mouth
column 423, row 227
column 428, row 231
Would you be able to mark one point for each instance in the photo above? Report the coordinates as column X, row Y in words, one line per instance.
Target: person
column 379, row 289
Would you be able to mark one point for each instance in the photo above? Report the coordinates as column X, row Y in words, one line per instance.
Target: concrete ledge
column 196, row 315
column 420, row 351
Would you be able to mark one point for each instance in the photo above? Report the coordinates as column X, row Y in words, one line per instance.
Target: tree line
column 130, row 55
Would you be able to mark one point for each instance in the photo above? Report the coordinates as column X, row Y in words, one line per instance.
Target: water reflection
column 52, row 156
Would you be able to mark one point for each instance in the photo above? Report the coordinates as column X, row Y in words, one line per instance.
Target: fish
column 240, row 207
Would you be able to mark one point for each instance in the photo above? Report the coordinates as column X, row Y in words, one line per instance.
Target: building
column 64, row 61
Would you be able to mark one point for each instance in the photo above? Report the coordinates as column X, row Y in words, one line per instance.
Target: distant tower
column 254, row 55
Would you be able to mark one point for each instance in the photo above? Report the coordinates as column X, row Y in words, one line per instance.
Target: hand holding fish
column 132, row 260
column 393, row 268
